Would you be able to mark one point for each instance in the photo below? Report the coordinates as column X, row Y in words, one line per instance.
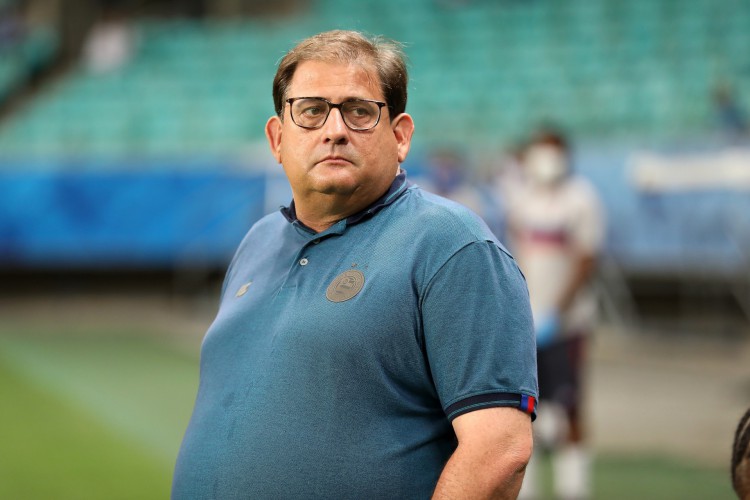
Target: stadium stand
column 486, row 71
column 22, row 53
column 195, row 94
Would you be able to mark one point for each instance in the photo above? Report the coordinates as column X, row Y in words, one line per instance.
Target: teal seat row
column 481, row 71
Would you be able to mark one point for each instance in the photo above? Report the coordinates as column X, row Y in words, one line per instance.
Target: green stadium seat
column 483, row 69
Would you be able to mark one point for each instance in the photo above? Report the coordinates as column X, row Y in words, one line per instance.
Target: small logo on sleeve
column 528, row 404
column 345, row 286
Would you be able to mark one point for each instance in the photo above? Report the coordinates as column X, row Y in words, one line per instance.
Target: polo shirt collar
column 398, row 187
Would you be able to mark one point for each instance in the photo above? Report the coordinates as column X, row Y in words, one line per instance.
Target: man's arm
column 494, row 446
column 584, row 270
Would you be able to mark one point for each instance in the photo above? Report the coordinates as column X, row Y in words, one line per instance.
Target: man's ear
column 403, row 129
column 273, row 134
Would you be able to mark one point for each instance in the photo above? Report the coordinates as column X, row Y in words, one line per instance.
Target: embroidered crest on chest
column 345, row 286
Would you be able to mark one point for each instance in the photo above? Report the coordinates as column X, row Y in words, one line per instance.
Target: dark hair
column 386, row 56
column 551, row 135
column 741, row 458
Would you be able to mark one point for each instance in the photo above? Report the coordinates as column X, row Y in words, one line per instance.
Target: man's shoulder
column 579, row 186
column 436, row 212
column 267, row 227
column 440, row 224
column 575, row 193
column 274, row 220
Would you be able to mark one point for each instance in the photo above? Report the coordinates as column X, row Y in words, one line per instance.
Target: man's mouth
column 335, row 160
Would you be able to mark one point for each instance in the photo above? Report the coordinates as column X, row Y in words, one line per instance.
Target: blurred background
column 132, row 162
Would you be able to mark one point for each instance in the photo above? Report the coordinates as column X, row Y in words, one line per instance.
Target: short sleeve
column 589, row 225
column 478, row 332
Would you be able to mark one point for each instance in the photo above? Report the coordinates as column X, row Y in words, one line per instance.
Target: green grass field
column 93, row 415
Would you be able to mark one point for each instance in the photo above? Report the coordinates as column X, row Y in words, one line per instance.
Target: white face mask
column 545, row 164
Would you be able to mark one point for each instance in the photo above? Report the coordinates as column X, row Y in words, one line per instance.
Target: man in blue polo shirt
column 373, row 340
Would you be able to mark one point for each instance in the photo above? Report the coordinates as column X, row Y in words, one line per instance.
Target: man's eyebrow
column 355, row 98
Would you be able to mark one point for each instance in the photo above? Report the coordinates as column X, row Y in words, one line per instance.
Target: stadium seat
column 607, row 69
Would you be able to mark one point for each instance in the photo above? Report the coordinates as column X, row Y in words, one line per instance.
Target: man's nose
column 335, row 129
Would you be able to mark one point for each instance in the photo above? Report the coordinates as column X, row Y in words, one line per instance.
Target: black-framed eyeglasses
column 312, row 112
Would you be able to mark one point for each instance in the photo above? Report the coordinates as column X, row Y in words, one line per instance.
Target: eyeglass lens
column 357, row 114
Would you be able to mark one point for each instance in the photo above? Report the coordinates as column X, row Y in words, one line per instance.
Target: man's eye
column 312, row 111
column 359, row 110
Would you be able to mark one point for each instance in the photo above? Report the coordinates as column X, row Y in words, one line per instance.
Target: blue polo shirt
column 338, row 360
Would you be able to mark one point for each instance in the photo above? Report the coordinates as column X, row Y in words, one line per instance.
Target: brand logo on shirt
column 345, row 286
column 243, row 289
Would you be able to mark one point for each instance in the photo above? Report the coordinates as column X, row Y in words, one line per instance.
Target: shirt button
column 303, row 262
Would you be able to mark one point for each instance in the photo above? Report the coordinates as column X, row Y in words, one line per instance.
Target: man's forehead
column 335, row 77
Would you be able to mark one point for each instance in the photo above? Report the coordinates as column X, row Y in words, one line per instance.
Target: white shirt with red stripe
column 552, row 227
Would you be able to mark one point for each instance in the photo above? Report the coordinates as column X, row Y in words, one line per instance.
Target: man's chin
column 337, row 189
column 339, row 182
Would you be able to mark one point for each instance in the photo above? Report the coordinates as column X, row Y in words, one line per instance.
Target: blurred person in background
column 741, row 458
column 12, row 25
column 556, row 230
column 110, row 44
column 731, row 118
column 373, row 340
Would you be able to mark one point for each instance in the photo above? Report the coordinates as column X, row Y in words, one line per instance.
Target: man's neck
column 321, row 211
